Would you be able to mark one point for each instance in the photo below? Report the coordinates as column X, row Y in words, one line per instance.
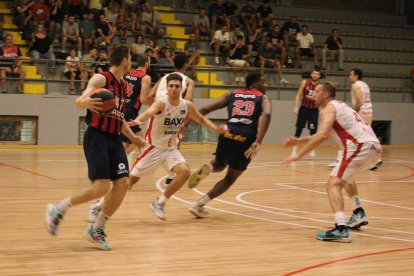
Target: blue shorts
column 230, row 151
column 105, row 155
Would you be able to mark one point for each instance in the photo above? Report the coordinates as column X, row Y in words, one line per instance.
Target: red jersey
column 134, row 89
column 111, row 123
column 308, row 99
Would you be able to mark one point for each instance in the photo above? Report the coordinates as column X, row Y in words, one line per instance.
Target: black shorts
column 105, row 155
column 231, row 152
column 77, row 74
column 308, row 115
column 130, row 114
column 306, row 52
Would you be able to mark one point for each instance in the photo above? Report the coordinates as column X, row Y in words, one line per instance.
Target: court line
column 346, row 259
column 21, row 169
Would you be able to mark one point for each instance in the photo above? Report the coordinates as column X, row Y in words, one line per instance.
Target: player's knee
column 218, row 167
column 184, row 171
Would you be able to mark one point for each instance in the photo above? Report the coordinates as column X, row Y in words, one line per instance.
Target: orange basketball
column 108, row 100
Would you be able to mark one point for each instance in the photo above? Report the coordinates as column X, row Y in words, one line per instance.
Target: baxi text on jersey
column 245, row 96
column 173, row 121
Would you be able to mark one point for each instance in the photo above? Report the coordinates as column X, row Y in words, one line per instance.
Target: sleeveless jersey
column 133, row 92
column 162, row 87
column 349, row 128
column 308, row 99
column 9, row 54
column 244, row 109
column 111, row 123
column 366, row 106
column 163, row 128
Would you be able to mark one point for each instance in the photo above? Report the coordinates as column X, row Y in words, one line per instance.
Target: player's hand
column 291, row 158
column 138, row 141
column 252, row 150
column 290, row 142
column 296, row 111
column 222, row 129
column 93, row 104
column 136, row 122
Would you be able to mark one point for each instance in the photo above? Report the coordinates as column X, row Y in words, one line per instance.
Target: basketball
column 108, row 100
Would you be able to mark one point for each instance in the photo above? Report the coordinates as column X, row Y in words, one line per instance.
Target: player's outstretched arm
column 155, row 108
column 200, row 119
column 145, row 92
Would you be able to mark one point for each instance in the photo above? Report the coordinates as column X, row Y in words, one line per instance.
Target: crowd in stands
column 82, row 32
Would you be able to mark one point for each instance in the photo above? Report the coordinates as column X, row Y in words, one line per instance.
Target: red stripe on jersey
column 244, row 91
column 138, row 104
column 104, row 124
column 345, row 162
column 308, row 90
column 137, row 73
column 142, row 155
column 95, row 120
column 148, row 132
column 343, row 134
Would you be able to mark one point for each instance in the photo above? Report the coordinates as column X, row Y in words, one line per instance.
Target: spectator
column 10, row 57
column 153, row 70
column 334, row 46
column 133, row 24
column 138, row 47
column 267, row 58
column 201, row 24
column 235, row 33
column 239, row 54
column 87, row 30
column 248, row 17
column 58, row 11
column 121, row 25
column 102, row 63
column 264, row 13
column 1, row 30
column 290, row 29
column 220, row 43
column 76, row 7
column 105, row 32
column 71, row 33
column 73, row 71
column 151, row 21
column 153, row 46
column 167, row 47
column 305, row 46
column 40, row 12
column 277, row 39
column 257, row 39
column 95, row 7
column 218, row 15
column 42, row 47
column 111, row 11
column 23, row 18
column 232, row 14
column 192, row 50
column 88, row 63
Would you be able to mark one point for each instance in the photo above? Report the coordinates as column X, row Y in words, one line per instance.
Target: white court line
column 158, row 185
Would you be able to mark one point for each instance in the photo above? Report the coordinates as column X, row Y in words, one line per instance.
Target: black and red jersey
column 308, row 99
column 133, row 92
column 111, row 123
column 244, row 109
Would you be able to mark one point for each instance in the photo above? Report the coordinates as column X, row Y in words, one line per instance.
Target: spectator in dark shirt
column 232, row 14
column 248, row 17
column 290, row 29
column 264, row 13
column 102, row 63
column 105, row 32
column 278, row 41
column 334, row 46
column 218, row 16
column 239, row 56
column 201, row 24
column 267, row 58
column 42, row 47
column 192, row 50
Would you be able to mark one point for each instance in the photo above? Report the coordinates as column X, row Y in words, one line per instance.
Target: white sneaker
column 199, row 175
column 284, row 81
column 198, row 211
column 237, row 79
column 217, row 60
column 53, row 218
column 242, row 79
column 312, row 153
column 93, row 213
column 158, row 209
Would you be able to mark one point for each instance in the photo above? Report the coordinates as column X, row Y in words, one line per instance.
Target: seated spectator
column 232, row 13
column 192, row 50
column 102, row 63
column 265, row 16
column 153, row 46
column 218, row 16
column 239, row 56
column 88, row 62
column 11, row 63
column 73, row 71
column 111, row 11
column 40, row 12
column 167, row 46
column 201, row 24
column 87, row 30
column 334, row 46
column 138, row 47
column 121, row 25
column 153, row 70
column 1, row 30
column 133, row 24
column 248, row 17
column 76, row 7
column 95, row 7
column 290, row 29
column 23, row 18
column 278, row 41
column 166, row 59
column 305, row 46
column 151, row 21
column 58, row 11
column 71, row 33
column 105, row 32
column 42, row 47
column 235, row 33
column 267, row 58
column 257, row 39
column 220, row 43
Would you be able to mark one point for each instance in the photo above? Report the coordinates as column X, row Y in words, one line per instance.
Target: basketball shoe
column 168, row 180
column 377, row 165
column 198, row 211
column 339, row 234
column 97, row 237
column 158, row 209
column 199, row 175
column 357, row 219
column 53, row 218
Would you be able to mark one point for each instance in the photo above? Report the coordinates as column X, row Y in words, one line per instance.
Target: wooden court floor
column 264, row 225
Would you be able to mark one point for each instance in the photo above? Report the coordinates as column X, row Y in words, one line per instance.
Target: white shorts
column 151, row 157
column 353, row 160
column 238, row 62
column 366, row 115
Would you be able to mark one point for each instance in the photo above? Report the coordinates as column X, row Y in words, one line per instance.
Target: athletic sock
column 101, row 221
column 65, row 204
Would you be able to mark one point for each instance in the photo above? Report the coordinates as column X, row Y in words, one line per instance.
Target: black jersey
column 111, row 123
column 244, row 109
column 133, row 92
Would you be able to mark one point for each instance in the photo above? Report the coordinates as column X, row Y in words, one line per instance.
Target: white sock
column 203, row 201
column 356, row 201
column 162, row 199
column 101, row 221
column 217, row 60
column 64, row 204
column 340, row 218
column 100, row 202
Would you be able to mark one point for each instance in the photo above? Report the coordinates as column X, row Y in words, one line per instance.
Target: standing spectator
column 305, row 46
column 105, row 32
column 87, row 30
column 218, row 15
column 58, row 11
column 23, row 18
column 265, row 15
column 220, row 43
column 267, row 58
column 248, row 17
column 239, row 54
column 151, row 21
column 201, row 24
column 10, row 56
column 42, row 47
column 71, row 33
column 290, row 29
column 334, row 46
column 192, row 50
column 73, row 71
column 88, row 63
column 277, row 39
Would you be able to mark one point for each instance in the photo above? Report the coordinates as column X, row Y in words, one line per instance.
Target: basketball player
column 359, row 149
column 167, row 116
column 249, row 112
column 308, row 111
column 103, row 149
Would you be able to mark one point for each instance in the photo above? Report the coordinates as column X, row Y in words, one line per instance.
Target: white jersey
column 163, row 128
column 162, row 86
column 349, row 128
column 366, row 106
